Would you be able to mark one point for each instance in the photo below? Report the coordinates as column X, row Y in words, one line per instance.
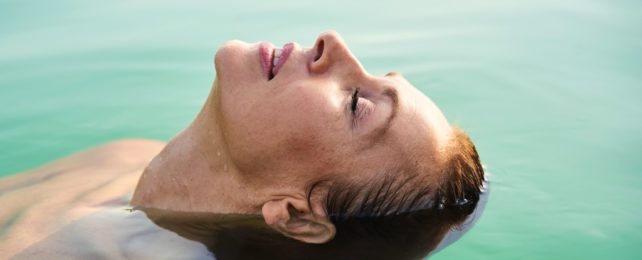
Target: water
column 548, row 90
column 117, row 232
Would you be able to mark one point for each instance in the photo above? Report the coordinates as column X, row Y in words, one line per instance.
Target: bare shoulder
column 38, row 202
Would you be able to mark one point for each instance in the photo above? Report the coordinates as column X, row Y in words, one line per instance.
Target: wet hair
column 401, row 192
column 402, row 207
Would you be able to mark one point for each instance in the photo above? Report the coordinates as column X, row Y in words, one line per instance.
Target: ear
column 297, row 219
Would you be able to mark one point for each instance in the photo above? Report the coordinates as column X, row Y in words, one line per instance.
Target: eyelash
column 360, row 107
column 354, row 106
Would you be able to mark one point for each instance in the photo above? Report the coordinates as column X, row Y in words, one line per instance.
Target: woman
column 307, row 136
column 325, row 153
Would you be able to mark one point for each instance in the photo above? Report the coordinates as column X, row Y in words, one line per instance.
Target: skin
column 258, row 144
column 38, row 203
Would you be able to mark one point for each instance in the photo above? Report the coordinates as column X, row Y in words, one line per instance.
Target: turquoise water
column 549, row 90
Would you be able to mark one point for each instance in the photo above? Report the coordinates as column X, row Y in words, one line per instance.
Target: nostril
column 321, row 60
column 319, row 50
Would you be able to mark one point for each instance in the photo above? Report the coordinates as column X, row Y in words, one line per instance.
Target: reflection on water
column 158, row 234
column 118, row 233
column 115, row 233
column 410, row 236
column 150, row 233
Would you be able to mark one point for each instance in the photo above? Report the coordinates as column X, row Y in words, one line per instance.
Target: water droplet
column 218, row 153
column 225, row 167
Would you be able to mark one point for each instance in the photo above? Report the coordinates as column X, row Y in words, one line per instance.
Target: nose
column 331, row 51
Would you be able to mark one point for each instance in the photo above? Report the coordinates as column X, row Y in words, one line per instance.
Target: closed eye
column 355, row 101
column 360, row 107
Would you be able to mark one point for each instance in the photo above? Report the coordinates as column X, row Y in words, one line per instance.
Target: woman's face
column 318, row 113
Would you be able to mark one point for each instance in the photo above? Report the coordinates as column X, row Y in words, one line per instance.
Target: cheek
column 295, row 127
column 313, row 132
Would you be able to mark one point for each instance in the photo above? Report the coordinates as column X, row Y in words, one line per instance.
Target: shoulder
column 38, row 202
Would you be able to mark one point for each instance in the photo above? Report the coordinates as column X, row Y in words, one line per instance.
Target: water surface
column 549, row 90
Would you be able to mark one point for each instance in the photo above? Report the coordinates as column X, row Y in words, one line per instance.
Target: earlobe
column 295, row 219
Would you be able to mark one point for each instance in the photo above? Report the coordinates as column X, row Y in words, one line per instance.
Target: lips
column 266, row 54
column 272, row 60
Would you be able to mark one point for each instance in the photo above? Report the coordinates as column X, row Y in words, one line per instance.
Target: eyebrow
column 378, row 133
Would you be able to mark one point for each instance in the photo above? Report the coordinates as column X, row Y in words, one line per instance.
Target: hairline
column 413, row 199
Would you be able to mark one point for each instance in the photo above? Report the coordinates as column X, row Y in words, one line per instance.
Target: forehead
column 420, row 129
column 417, row 111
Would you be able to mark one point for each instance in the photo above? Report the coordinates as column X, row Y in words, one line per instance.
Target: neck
column 193, row 173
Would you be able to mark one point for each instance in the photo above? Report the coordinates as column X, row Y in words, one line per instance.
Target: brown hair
column 461, row 182
column 463, row 172
column 435, row 209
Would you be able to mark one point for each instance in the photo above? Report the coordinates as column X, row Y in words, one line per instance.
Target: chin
column 230, row 56
column 238, row 66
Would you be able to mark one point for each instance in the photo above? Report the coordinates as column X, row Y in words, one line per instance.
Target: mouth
column 272, row 59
